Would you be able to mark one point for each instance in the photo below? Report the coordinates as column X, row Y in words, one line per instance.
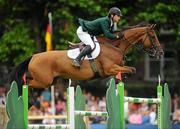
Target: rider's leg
column 85, row 51
column 85, row 38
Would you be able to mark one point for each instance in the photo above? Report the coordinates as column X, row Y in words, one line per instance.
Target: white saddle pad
column 73, row 53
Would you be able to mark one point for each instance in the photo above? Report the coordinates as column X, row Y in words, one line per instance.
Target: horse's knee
column 48, row 84
column 108, row 72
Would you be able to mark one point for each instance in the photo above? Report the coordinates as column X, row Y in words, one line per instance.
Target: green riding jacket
column 97, row 27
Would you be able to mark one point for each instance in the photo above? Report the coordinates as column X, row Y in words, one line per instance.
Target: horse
column 44, row 67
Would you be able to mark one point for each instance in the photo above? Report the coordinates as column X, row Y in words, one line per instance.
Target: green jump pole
column 160, row 107
column 25, row 103
column 120, row 89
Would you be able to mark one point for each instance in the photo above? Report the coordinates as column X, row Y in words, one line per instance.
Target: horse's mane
column 142, row 24
column 121, row 31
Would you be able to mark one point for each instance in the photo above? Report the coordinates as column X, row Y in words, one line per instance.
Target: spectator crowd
column 134, row 113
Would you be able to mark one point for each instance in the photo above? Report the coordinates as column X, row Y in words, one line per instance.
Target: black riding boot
column 85, row 51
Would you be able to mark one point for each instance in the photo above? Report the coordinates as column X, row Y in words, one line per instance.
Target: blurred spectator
column 46, row 94
column 145, row 117
column 93, row 104
column 2, row 96
column 102, row 104
column 47, row 111
column 43, row 103
column 126, row 107
column 175, row 102
column 143, row 107
column 134, row 113
column 176, row 117
column 34, row 111
column 60, row 106
column 135, row 117
column 152, row 114
column 2, row 99
column 133, row 106
column 88, row 99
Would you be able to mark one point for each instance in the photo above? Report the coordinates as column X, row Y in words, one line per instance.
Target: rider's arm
column 106, row 31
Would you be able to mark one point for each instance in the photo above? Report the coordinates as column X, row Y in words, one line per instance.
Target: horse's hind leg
column 41, row 78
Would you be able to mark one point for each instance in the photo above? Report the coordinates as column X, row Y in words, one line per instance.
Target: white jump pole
column 71, row 114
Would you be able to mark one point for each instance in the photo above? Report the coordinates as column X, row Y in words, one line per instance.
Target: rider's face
column 116, row 18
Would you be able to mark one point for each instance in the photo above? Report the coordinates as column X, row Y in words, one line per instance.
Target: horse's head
column 150, row 43
column 142, row 36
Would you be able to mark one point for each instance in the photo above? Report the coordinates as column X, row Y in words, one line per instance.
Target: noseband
column 153, row 51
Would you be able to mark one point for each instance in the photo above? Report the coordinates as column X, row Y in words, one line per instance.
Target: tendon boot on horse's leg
column 85, row 51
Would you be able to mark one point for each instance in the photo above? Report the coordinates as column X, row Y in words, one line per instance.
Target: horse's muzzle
column 159, row 53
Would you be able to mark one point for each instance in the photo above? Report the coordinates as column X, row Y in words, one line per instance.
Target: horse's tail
column 18, row 72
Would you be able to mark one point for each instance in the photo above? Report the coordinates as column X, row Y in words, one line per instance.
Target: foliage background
column 23, row 23
column 23, row 26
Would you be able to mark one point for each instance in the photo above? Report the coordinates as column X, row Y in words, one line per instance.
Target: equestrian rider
column 89, row 29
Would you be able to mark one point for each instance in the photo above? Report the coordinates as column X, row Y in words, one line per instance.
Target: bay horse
column 45, row 66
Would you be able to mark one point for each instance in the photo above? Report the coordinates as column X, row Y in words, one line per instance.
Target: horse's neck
column 104, row 40
column 122, row 46
column 131, row 36
column 111, row 45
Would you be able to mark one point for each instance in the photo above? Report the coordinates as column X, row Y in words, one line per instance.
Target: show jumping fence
column 17, row 108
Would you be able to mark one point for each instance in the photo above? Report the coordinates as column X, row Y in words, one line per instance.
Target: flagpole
column 52, row 87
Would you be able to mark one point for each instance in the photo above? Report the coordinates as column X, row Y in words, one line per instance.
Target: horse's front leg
column 115, row 69
column 132, row 68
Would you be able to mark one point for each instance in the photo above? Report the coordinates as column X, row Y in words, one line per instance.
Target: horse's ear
column 152, row 26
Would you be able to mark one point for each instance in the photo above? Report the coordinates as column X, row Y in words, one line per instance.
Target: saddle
column 76, row 45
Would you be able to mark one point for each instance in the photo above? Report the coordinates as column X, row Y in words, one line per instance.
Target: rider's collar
column 111, row 22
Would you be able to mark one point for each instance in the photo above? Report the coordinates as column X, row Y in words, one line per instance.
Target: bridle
column 153, row 51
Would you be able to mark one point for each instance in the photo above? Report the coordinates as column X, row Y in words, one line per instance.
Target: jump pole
column 160, row 104
column 158, row 101
column 71, row 114
column 70, row 123
column 25, row 103
column 120, row 89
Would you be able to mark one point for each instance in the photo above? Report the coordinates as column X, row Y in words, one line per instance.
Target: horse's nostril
column 161, row 53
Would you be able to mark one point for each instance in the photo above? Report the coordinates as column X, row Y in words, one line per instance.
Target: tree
column 23, row 22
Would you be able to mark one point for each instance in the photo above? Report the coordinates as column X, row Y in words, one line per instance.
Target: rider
column 89, row 29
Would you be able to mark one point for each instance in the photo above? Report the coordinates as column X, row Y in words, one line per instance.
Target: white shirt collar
column 112, row 23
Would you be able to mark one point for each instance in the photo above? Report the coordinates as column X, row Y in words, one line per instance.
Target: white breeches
column 85, row 37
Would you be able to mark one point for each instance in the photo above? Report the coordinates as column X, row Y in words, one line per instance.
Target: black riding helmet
column 114, row 11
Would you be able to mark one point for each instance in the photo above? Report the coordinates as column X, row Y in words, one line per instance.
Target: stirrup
column 76, row 63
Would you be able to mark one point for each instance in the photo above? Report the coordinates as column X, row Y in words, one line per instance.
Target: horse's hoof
column 133, row 70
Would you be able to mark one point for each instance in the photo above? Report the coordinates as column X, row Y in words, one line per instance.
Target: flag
column 48, row 36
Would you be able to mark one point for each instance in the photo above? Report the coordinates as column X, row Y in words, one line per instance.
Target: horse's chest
column 122, row 63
